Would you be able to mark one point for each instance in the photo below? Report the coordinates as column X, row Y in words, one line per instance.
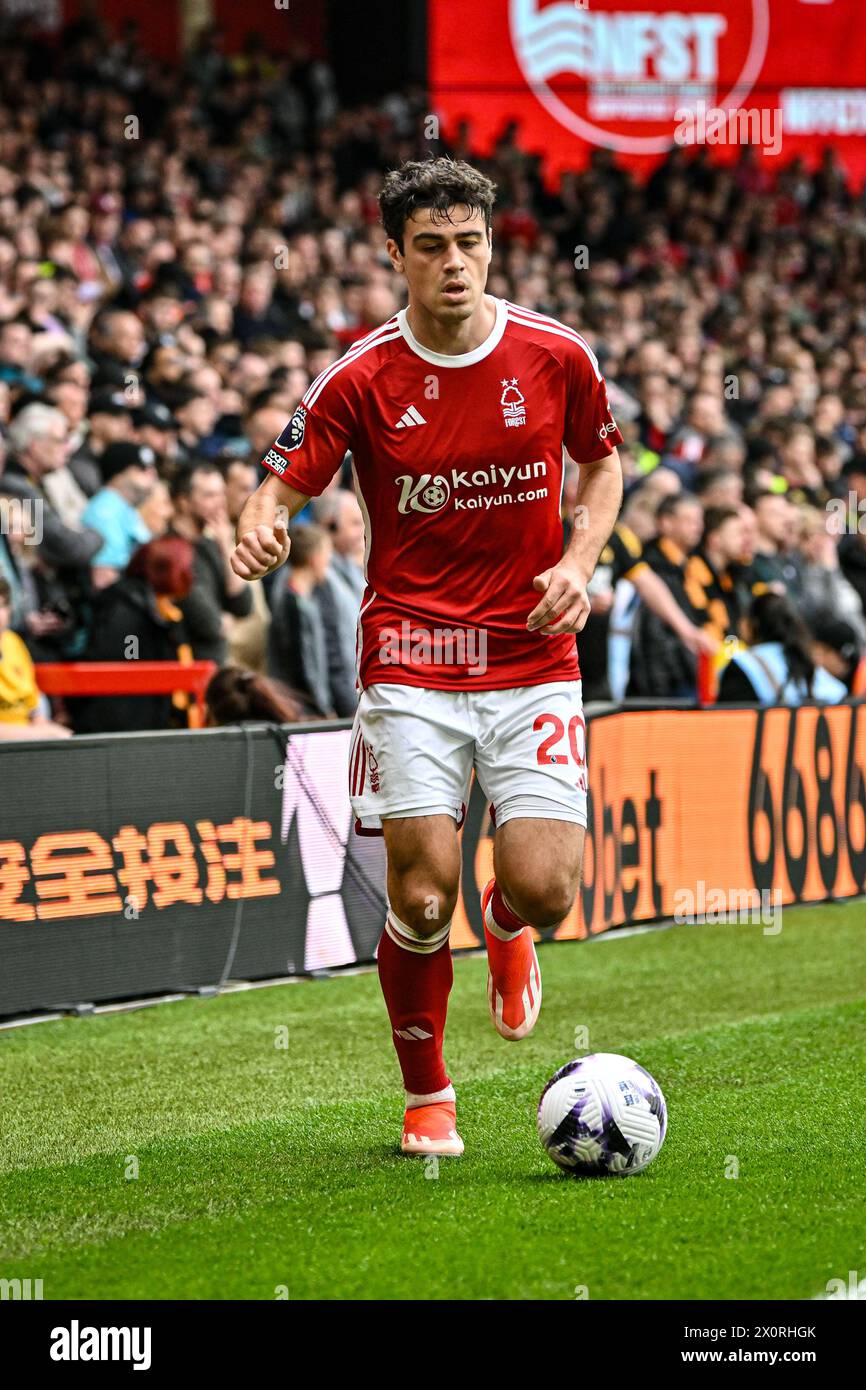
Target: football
column 602, row 1114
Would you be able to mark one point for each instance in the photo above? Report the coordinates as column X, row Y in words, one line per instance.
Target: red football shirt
column 458, row 468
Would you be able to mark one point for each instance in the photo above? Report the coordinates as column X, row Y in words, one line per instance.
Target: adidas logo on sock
column 413, row 1034
column 411, row 417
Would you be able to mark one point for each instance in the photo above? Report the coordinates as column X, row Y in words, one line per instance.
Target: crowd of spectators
column 182, row 252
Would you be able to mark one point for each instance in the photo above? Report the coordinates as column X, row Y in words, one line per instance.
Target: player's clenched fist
column 261, row 550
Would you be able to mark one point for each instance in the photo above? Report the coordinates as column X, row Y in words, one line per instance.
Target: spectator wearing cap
column 778, row 667
column 198, row 493
column 20, row 702
column 155, row 428
column 161, row 312
column 109, row 420
column 128, row 474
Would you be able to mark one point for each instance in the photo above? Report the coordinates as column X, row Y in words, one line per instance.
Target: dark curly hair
column 236, row 695
column 438, row 183
column 774, row 618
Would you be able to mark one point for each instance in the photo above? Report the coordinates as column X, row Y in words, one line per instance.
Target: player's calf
column 415, row 972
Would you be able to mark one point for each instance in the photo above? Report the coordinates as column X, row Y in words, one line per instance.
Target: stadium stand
column 178, row 291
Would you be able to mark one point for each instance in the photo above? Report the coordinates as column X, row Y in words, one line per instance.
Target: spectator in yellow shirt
column 19, row 693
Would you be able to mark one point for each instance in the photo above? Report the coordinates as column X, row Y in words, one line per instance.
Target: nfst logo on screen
column 615, row 73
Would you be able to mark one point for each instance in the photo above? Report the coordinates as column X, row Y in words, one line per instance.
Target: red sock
column 416, row 989
column 502, row 914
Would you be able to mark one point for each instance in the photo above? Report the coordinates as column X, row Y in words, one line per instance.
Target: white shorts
column 413, row 750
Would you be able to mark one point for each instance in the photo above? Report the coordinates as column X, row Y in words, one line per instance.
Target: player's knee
column 543, row 904
column 425, row 906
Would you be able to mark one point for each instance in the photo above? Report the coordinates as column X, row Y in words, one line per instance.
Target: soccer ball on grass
column 602, row 1114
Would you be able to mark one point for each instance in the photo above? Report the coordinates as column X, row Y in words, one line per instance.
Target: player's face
column 445, row 261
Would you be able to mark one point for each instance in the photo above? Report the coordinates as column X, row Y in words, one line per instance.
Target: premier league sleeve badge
column 292, row 436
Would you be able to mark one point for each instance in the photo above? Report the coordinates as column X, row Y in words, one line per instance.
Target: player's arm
column 599, row 496
column 301, row 463
column 262, row 530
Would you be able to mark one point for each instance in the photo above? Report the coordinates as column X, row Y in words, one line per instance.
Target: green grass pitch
column 267, row 1170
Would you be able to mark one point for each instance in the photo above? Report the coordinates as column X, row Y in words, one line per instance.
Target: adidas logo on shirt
column 411, row 417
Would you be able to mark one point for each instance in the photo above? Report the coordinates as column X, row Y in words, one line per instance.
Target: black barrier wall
column 155, row 863
column 160, row 863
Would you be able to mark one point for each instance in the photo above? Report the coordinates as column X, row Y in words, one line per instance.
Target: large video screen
column 787, row 77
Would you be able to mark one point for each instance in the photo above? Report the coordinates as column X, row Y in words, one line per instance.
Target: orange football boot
column 431, row 1129
column 513, row 978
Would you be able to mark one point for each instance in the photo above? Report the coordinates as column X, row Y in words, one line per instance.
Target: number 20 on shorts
column 576, row 743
